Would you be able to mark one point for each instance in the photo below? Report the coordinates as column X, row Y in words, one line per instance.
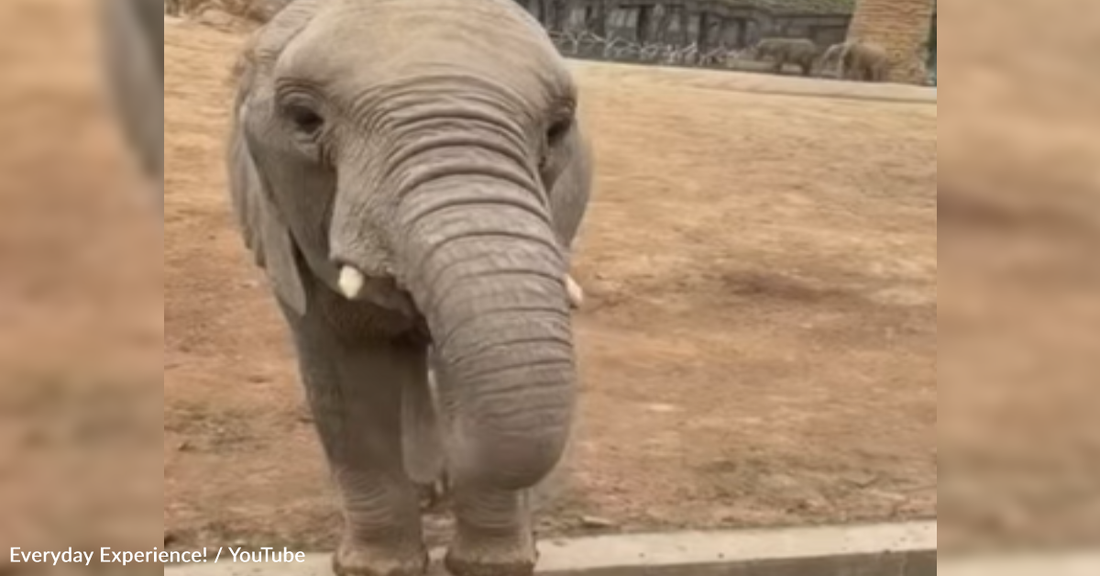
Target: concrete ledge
column 874, row 550
column 760, row 83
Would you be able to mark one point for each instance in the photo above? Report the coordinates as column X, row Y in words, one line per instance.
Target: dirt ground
column 759, row 345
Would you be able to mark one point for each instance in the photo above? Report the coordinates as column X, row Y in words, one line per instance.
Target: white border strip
column 701, row 548
column 682, row 549
column 1019, row 565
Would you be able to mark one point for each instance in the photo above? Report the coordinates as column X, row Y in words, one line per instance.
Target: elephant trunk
column 476, row 251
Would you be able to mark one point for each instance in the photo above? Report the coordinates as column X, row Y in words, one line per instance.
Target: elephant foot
column 363, row 560
column 470, row 555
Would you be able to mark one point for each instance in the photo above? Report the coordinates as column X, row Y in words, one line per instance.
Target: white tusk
column 576, row 293
column 351, row 282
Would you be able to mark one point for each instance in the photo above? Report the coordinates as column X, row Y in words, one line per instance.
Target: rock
column 264, row 10
column 216, row 18
column 598, row 523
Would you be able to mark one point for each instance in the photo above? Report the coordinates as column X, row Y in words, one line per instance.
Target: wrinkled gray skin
column 132, row 32
column 802, row 52
column 866, row 62
column 857, row 60
column 429, row 149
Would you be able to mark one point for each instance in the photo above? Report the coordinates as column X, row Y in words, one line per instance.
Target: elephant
column 800, row 51
column 857, row 60
column 132, row 35
column 864, row 61
column 410, row 176
column 831, row 60
column 262, row 11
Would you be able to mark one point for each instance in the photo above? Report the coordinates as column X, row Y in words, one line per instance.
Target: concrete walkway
column 878, row 550
column 759, row 83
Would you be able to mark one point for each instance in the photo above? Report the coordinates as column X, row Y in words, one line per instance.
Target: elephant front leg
column 355, row 396
column 494, row 534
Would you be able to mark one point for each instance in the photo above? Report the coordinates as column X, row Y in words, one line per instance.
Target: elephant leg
column 423, row 443
column 355, row 394
column 494, row 533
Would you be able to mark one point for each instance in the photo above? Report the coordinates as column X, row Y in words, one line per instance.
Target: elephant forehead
column 377, row 41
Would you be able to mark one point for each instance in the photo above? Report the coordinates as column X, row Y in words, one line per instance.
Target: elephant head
column 424, row 156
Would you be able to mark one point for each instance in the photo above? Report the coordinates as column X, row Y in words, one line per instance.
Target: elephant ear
column 567, row 175
column 265, row 235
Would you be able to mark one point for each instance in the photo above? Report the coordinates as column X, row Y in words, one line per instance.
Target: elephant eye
column 558, row 130
column 305, row 120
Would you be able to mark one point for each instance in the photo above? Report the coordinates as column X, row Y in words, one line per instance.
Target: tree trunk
column 645, row 23
column 661, row 34
column 705, row 20
column 597, row 23
column 685, row 26
column 901, row 27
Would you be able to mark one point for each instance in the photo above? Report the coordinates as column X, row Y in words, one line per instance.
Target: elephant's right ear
column 265, row 235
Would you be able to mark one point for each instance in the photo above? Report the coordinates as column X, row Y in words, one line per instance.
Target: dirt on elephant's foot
column 353, row 559
column 471, row 556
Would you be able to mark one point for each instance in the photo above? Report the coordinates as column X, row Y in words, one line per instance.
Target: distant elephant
column 132, row 35
column 865, row 62
column 831, row 60
column 802, row 52
column 263, row 11
column 411, row 174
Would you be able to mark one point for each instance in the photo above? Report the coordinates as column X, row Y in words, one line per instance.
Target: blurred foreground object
column 133, row 40
column 1019, row 302
column 81, row 305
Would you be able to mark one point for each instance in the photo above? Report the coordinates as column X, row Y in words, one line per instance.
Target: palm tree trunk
column 901, row 27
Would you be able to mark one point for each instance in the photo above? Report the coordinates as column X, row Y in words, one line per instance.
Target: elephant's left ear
column 265, row 235
column 567, row 176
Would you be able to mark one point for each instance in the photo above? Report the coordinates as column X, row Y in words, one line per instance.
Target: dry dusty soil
column 758, row 348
